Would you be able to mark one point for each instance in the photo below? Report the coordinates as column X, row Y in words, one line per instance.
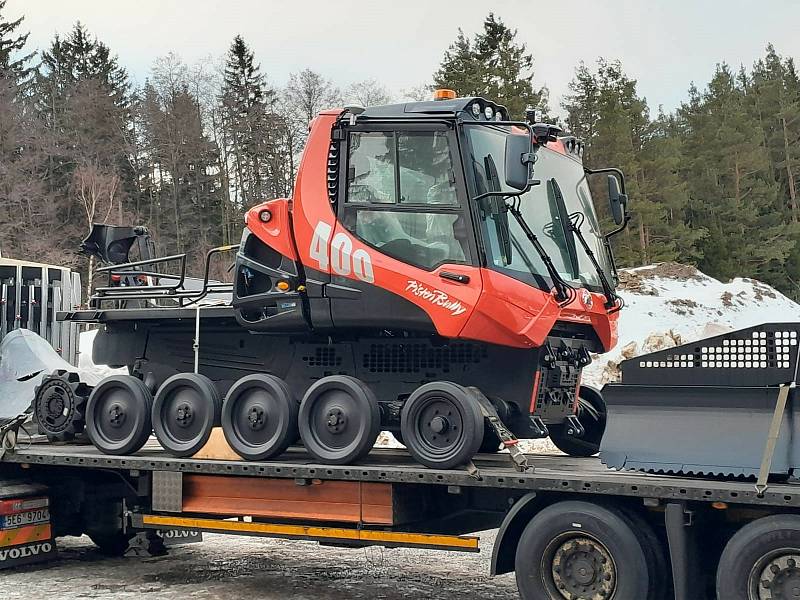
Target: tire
column 579, row 535
column 186, row 409
column 259, row 417
column 118, row 415
column 592, row 415
column 655, row 551
column 112, row 544
column 748, row 556
column 339, row 420
column 442, row 425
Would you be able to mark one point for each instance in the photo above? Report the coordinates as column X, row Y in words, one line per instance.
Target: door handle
column 457, row 277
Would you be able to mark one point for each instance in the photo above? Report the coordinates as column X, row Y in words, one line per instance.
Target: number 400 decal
column 343, row 260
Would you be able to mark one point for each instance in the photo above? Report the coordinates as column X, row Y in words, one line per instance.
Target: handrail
column 174, row 291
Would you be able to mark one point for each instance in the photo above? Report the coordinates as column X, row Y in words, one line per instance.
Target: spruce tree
column 247, row 104
column 495, row 66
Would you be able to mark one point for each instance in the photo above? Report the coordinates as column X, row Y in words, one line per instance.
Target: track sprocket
column 59, row 406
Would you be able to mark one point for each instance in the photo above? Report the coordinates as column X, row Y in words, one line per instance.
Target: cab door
column 403, row 252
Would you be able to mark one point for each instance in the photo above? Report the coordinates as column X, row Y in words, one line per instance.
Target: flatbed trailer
column 682, row 524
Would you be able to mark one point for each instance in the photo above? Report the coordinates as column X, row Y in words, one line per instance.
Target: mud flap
column 25, row 533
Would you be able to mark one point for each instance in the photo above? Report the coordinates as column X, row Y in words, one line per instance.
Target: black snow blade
column 706, row 408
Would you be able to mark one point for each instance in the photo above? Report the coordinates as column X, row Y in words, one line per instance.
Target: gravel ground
column 255, row 568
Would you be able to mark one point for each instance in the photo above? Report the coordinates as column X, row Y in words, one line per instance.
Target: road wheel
column 259, row 417
column 592, row 415
column 581, row 551
column 762, row 560
column 59, row 406
column 118, row 415
column 339, row 420
column 186, row 408
column 442, row 425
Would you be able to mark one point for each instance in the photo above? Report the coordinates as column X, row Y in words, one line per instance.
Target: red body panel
column 491, row 307
column 310, row 200
column 277, row 233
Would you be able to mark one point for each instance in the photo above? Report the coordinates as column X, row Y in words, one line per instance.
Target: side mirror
column 616, row 200
column 517, row 169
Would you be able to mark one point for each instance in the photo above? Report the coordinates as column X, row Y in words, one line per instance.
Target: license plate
column 30, row 517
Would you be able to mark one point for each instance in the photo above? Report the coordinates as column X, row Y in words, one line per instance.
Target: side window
column 426, row 169
column 371, row 168
column 423, row 239
column 401, row 197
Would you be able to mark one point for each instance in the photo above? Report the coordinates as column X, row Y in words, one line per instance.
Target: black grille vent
column 333, row 172
column 323, row 356
column 413, row 358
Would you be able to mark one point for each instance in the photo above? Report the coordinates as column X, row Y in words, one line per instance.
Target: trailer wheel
column 442, row 425
column 339, row 420
column 762, row 560
column 592, row 415
column 118, row 415
column 259, row 417
column 579, row 551
column 186, row 408
column 112, row 544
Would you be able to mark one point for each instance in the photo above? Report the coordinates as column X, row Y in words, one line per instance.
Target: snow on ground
column 670, row 304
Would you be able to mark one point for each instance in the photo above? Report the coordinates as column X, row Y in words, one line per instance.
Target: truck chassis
column 676, row 518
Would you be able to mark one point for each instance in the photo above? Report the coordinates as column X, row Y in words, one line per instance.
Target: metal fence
column 30, row 296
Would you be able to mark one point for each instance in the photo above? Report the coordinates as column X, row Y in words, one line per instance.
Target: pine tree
column 493, row 65
column 733, row 194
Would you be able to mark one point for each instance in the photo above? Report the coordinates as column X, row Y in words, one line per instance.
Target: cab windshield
column 563, row 193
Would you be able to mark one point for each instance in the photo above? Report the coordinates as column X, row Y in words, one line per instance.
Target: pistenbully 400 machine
column 438, row 269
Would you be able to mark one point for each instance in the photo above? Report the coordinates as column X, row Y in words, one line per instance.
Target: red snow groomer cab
column 445, row 263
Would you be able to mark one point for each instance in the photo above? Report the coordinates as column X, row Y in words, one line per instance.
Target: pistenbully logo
column 436, row 297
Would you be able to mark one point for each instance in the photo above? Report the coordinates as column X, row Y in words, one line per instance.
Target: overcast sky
column 664, row 45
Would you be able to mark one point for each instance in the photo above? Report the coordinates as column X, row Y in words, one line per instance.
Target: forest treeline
column 713, row 183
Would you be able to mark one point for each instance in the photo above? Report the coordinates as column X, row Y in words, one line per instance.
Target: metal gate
column 30, row 296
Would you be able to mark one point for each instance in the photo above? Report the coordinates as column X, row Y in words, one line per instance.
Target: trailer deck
column 552, row 473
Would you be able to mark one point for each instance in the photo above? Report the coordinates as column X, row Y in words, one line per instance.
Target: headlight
column 489, row 112
column 476, row 110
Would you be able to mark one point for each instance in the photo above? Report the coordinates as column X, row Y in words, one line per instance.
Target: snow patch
column 669, row 304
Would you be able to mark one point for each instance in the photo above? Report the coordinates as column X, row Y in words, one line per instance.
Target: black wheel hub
column 582, row 569
column 184, row 415
column 778, row 578
column 55, row 405
column 115, row 418
column 256, row 418
column 116, row 415
column 185, row 411
column 336, row 420
column 439, row 423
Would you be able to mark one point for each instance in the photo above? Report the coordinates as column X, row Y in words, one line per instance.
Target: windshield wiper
column 563, row 291
column 574, row 223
